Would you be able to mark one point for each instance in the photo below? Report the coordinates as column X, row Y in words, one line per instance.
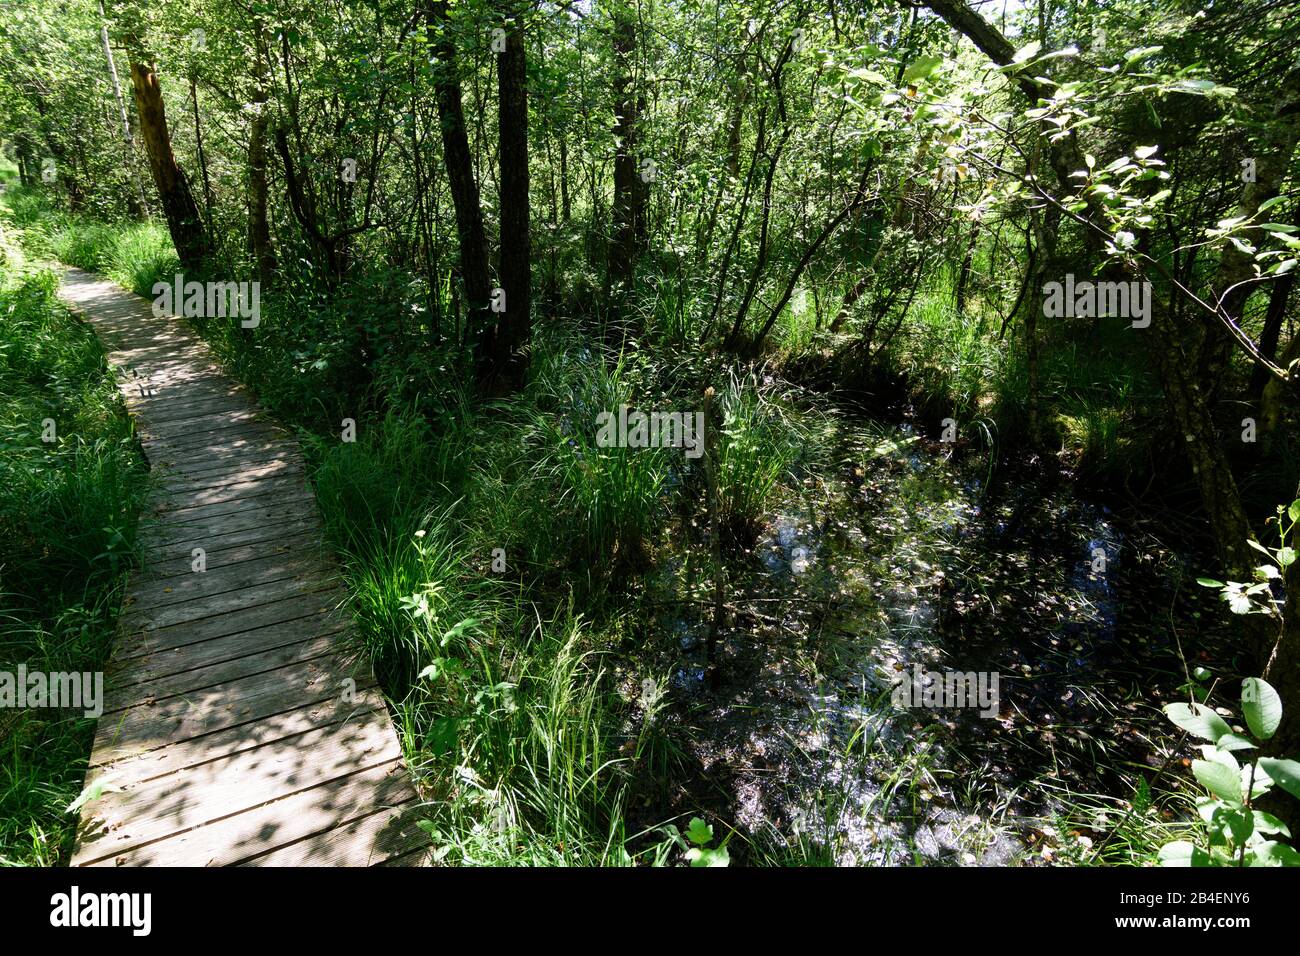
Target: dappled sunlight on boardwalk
column 234, row 731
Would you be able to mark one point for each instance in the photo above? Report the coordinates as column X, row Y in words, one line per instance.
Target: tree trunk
column 128, row 141
column 460, row 179
column 508, row 359
column 259, row 229
column 622, row 250
column 183, row 219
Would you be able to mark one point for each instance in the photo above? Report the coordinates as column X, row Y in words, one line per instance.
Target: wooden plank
column 364, row 841
column 171, row 534
column 172, row 660
column 139, row 643
column 182, row 500
column 122, row 693
column 148, row 725
column 182, row 508
column 142, row 813
column 285, row 728
column 162, row 568
column 173, row 482
column 234, row 577
column 225, row 603
column 290, row 823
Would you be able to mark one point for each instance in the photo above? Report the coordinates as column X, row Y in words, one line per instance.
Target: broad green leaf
column 699, row 832
column 1198, row 719
column 1219, row 780
column 701, row 857
column 1235, row 742
column 1026, row 52
column 1284, row 773
column 1182, row 853
column 1267, row 823
column 1271, row 853
column 1261, row 706
column 921, row 67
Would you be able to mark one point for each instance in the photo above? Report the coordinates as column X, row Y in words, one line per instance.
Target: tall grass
column 68, row 510
column 135, row 255
column 505, row 696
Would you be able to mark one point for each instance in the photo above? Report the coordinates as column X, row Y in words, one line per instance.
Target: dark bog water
column 901, row 558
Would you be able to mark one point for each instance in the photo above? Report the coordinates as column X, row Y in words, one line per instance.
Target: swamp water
column 900, row 558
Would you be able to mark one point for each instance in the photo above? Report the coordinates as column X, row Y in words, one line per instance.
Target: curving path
column 233, row 730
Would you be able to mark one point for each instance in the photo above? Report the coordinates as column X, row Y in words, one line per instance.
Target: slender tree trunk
column 509, row 359
column 463, row 185
column 622, row 250
column 203, row 160
column 183, row 219
column 128, row 141
column 259, row 228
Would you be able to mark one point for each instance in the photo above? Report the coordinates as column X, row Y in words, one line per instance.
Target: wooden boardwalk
column 233, row 731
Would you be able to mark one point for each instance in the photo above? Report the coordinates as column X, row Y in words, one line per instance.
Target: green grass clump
column 762, row 443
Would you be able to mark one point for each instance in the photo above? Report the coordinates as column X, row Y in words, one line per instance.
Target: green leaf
column 702, row 857
column 1286, row 557
column 1267, row 823
column 1209, row 583
column 1140, row 53
column 1240, row 823
column 1261, row 706
column 1198, row 719
column 699, row 832
column 921, row 67
column 1284, row 773
column 1234, row 742
column 1219, row 780
column 93, row 791
column 1026, row 52
column 1239, row 603
column 458, row 629
column 1182, row 853
column 1271, row 853
column 1293, row 512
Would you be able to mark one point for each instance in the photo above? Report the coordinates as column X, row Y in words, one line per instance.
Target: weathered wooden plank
column 290, row 823
column 184, row 500
column 149, row 725
column 179, row 508
column 236, row 577
column 366, row 841
column 304, row 542
column 173, row 482
column 140, row 814
column 285, row 728
column 134, row 643
column 155, row 618
column 162, row 663
column 121, row 695
column 165, row 533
